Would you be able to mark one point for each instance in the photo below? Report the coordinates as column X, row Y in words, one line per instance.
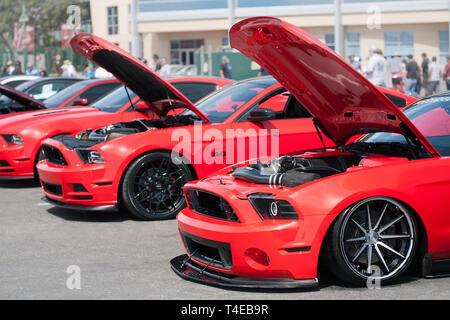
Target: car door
column 290, row 130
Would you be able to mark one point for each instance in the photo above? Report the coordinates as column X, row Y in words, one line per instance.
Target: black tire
column 39, row 157
column 380, row 249
column 152, row 187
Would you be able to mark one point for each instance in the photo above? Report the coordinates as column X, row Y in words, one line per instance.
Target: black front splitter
column 187, row 269
column 60, row 204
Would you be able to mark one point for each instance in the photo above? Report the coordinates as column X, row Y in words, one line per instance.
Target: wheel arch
column 122, row 172
column 422, row 231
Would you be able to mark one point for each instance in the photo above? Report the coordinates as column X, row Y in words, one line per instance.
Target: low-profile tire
column 373, row 241
column 152, row 187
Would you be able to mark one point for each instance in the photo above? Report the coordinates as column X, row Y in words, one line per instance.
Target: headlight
column 12, row 139
column 90, row 156
column 269, row 208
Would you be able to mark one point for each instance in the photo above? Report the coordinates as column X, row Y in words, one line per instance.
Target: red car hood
column 21, row 98
column 26, row 120
column 149, row 86
column 343, row 101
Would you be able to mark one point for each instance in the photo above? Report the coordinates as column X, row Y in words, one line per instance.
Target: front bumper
column 188, row 269
column 14, row 163
column 77, row 187
column 291, row 249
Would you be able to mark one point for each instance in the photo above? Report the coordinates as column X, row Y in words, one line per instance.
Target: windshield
column 22, row 87
column 219, row 106
column 114, row 101
column 56, row 100
column 431, row 116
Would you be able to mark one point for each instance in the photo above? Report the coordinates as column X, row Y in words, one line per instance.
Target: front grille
column 212, row 253
column 53, row 155
column 51, row 188
column 4, row 163
column 209, row 204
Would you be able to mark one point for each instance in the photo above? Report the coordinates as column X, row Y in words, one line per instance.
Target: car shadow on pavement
column 19, row 184
column 90, row 216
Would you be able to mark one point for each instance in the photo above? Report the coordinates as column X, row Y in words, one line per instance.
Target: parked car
column 80, row 93
column 129, row 164
column 22, row 134
column 14, row 81
column 367, row 211
column 40, row 89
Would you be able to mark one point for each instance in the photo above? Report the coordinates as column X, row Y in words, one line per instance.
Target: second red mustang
column 131, row 164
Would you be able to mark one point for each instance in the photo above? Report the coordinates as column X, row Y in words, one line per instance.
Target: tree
column 47, row 17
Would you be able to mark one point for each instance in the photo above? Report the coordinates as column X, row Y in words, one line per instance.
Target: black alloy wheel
column 152, row 187
column 375, row 239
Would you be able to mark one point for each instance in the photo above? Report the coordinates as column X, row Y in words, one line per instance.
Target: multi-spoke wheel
column 152, row 187
column 374, row 238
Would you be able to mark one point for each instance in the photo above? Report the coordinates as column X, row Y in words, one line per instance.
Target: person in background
column 412, row 74
column 355, row 62
column 156, row 63
column 165, row 67
column 17, row 70
column 7, row 70
column 446, row 73
column 376, row 67
column 425, row 74
column 262, row 72
column 68, row 70
column 32, row 71
column 396, row 65
column 225, row 69
column 87, row 72
column 101, row 73
column 435, row 77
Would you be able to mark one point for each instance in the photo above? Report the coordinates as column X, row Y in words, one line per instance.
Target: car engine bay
column 89, row 138
column 290, row 171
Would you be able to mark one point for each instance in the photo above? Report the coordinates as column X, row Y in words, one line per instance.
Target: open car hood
column 23, row 99
column 342, row 101
column 157, row 93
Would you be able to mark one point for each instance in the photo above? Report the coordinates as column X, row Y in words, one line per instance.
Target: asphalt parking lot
column 122, row 258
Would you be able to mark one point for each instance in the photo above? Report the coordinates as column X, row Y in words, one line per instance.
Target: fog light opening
column 257, row 258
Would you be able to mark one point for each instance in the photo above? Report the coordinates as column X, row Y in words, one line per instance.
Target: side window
column 96, row 92
column 195, row 91
column 295, row 110
column 285, row 106
column 399, row 102
column 276, row 103
column 15, row 83
column 47, row 90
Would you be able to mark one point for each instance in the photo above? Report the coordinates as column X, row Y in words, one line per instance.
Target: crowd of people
column 404, row 74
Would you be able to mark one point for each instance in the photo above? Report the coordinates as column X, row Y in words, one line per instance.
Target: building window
column 401, row 43
column 443, row 46
column 329, row 40
column 353, row 44
column 183, row 51
column 113, row 20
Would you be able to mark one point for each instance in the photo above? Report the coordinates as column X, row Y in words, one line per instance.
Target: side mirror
column 81, row 102
column 261, row 115
column 141, row 106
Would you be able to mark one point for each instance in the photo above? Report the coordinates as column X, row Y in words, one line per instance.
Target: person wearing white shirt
column 101, row 73
column 434, row 70
column 376, row 68
column 165, row 67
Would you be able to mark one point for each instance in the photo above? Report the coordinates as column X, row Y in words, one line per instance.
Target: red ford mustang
column 369, row 209
column 80, row 93
column 23, row 133
column 130, row 163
